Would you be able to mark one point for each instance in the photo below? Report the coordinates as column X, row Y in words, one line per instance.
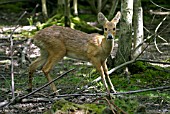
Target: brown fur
column 55, row 42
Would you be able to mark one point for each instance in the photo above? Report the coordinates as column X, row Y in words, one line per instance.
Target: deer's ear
column 117, row 17
column 101, row 18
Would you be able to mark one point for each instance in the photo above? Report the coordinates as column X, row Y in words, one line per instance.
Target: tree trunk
column 125, row 41
column 67, row 13
column 138, row 27
column 60, row 7
column 113, row 8
column 44, row 9
column 75, row 7
column 93, row 6
column 99, row 5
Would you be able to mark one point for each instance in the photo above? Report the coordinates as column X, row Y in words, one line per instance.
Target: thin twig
column 116, row 68
column 159, row 12
column 158, row 5
column 118, row 93
column 152, row 61
column 46, row 84
column 11, row 48
column 156, row 33
column 129, row 62
column 153, row 34
column 19, row 99
column 2, row 104
column 110, row 105
column 148, row 38
column 123, row 112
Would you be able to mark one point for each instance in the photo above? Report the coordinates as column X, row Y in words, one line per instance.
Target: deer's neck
column 107, row 46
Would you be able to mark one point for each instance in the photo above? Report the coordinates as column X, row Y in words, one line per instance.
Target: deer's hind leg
column 55, row 54
column 35, row 65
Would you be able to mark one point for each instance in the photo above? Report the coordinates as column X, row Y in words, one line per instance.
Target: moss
column 137, row 67
column 127, row 104
column 66, row 106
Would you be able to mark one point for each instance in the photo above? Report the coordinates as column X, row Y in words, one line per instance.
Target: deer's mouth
column 110, row 37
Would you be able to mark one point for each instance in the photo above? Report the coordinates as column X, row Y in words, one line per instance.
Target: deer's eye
column 105, row 29
column 114, row 29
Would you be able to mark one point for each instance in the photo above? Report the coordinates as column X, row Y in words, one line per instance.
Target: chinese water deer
column 55, row 42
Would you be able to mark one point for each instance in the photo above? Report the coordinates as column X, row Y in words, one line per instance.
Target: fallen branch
column 35, row 100
column 150, row 38
column 5, row 62
column 127, row 63
column 118, row 93
column 159, row 5
column 158, row 12
column 109, row 72
column 152, row 61
column 46, row 84
column 122, row 65
column 19, row 99
column 23, row 100
column 156, row 33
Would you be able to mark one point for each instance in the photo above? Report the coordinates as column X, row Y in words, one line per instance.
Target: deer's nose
column 109, row 36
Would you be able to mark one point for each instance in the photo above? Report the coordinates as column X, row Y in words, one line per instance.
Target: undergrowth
column 146, row 76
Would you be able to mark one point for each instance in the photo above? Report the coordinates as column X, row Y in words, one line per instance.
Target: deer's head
column 109, row 26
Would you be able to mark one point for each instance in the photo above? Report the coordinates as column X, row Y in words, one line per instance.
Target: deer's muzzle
column 110, row 36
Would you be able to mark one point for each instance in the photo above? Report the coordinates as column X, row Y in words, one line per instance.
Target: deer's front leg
column 107, row 75
column 99, row 68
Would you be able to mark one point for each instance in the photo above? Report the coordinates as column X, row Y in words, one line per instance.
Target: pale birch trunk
column 44, row 9
column 99, row 5
column 75, row 7
column 138, row 27
column 125, row 40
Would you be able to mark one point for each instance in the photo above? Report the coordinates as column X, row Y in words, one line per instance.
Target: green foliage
column 30, row 20
column 55, row 20
column 82, row 25
column 13, row 7
column 76, row 23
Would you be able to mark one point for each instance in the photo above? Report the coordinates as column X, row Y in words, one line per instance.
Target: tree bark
column 92, row 5
column 99, row 5
column 138, row 27
column 113, row 8
column 60, row 7
column 125, row 41
column 75, row 7
column 67, row 13
column 44, row 9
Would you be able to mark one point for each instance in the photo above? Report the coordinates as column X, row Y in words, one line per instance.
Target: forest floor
column 143, row 76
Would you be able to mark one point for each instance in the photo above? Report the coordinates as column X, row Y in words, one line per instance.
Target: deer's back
column 68, row 36
column 75, row 42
